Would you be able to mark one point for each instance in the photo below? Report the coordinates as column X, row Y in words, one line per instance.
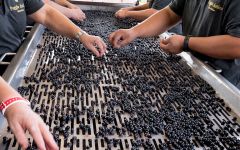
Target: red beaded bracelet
column 12, row 101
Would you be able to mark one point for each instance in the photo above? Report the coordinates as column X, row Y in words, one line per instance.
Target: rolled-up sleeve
column 231, row 21
column 150, row 3
column 160, row 4
column 178, row 6
column 32, row 6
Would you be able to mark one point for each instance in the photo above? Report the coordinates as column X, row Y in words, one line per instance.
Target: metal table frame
column 20, row 63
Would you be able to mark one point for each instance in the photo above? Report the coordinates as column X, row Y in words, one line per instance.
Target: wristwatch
column 185, row 44
column 79, row 34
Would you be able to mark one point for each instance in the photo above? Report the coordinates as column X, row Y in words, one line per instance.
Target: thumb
column 124, row 42
column 165, row 41
column 164, row 45
column 93, row 49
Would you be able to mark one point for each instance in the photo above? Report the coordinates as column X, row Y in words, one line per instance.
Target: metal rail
column 223, row 87
column 22, row 59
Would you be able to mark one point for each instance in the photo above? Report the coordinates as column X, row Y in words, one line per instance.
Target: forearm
column 157, row 23
column 140, row 7
column 222, row 46
column 6, row 91
column 54, row 20
column 66, row 4
column 142, row 14
column 62, row 2
column 62, row 9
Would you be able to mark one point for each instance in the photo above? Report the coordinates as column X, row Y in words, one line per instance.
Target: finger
column 104, row 45
column 93, row 50
column 100, row 46
column 80, row 19
column 111, row 37
column 37, row 136
column 48, row 138
column 124, row 42
column 164, row 47
column 116, row 15
column 104, row 48
column 82, row 14
column 165, row 41
column 116, row 40
column 20, row 135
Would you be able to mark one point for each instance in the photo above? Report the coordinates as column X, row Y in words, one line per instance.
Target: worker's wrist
column 129, row 8
column 186, row 41
column 127, row 13
column 135, row 32
column 8, row 103
column 15, row 108
column 80, row 35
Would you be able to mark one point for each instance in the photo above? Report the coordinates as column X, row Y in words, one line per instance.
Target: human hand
column 94, row 43
column 127, row 8
column 77, row 14
column 121, row 37
column 20, row 118
column 121, row 14
column 173, row 44
column 72, row 6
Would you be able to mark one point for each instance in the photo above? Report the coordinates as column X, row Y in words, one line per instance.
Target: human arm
column 138, row 15
column 19, row 116
column 66, row 4
column 57, row 22
column 123, row 12
column 76, row 13
column 153, row 26
column 139, row 7
column 220, row 46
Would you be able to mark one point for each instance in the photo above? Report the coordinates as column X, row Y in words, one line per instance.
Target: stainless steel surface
column 100, row 6
column 3, row 57
column 103, row 3
column 223, row 87
column 19, row 64
column 22, row 59
column 23, row 63
column 6, row 58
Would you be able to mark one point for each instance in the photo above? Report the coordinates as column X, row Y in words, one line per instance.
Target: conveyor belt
column 136, row 97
